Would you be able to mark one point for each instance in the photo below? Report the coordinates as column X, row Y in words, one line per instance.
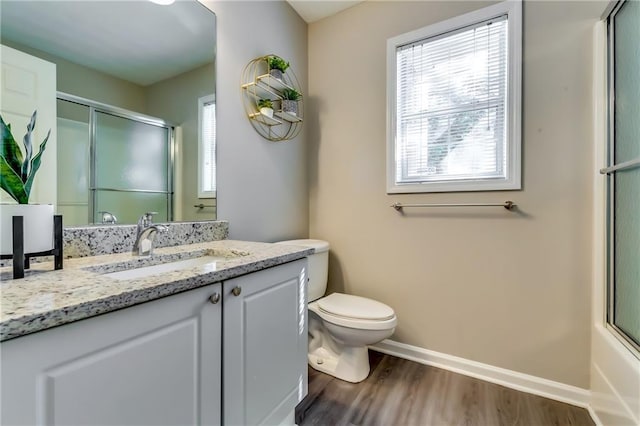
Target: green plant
column 17, row 171
column 265, row 103
column 277, row 63
column 291, row 95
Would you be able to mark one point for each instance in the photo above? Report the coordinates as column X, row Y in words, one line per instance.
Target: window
column 453, row 91
column 207, row 147
column 623, row 173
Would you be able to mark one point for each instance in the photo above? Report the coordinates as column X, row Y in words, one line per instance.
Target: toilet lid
column 346, row 305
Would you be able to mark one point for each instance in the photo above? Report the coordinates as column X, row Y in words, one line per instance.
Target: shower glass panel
column 624, row 184
column 132, row 161
column 128, row 205
column 627, row 253
column 73, row 151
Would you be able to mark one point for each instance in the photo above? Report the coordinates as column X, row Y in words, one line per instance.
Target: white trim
column 600, row 160
column 201, row 102
column 489, row 373
column 513, row 8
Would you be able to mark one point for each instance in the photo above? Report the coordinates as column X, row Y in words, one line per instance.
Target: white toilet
column 340, row 325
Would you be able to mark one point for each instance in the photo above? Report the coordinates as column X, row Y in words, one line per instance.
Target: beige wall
column 176, row 100
column 506, row 289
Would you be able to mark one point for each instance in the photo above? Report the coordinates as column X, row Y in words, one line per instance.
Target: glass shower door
column 73, row 156
column 131, row 170
column 624, row 180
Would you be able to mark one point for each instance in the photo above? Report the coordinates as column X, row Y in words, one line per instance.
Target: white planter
column 275, row 73
column 267, row 111
column 290, row 107
column 38, row 227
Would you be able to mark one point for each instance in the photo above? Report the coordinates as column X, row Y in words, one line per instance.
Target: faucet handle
column 147, row 218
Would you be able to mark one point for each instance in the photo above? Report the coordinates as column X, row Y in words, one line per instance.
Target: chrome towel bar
column 622, row 166
column 509, row 205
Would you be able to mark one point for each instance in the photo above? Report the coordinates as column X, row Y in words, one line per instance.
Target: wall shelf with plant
column 270, row 88
column 266, row 120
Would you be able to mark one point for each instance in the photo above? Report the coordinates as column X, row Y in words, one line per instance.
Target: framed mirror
column 132, row 101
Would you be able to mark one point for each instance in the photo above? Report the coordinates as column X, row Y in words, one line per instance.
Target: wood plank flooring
column 404, row 393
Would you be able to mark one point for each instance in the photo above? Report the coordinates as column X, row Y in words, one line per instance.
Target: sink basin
column 157, row 265
column 163, row 268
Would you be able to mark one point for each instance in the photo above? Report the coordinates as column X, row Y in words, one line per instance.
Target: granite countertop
column 46, row 298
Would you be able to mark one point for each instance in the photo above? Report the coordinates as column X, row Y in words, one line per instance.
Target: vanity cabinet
column 168, row 361
column 155, row 363
column 265, row 345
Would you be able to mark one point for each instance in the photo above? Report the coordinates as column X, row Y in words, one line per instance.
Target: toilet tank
column 318, row 266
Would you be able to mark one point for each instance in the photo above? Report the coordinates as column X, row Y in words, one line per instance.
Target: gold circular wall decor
column 258, row 83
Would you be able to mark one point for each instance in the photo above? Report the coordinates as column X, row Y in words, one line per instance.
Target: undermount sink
column 156, row 265
column 148, row 271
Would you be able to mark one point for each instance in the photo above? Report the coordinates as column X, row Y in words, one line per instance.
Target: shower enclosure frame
column 94, row 108
column 627, row 340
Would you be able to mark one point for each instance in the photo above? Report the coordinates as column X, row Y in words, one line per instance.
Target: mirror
column 134, row 97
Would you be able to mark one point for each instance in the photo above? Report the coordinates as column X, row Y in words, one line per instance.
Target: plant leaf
column 11, row 182
column 10, row 150
column 35, row 165
column 28, row 147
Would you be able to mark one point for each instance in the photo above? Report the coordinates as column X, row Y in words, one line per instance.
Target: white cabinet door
column 157, row 363
column 265, row 345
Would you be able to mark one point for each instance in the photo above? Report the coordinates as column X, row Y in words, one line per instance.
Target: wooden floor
column 401, row 392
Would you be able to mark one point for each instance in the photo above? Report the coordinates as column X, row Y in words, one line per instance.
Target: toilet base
column 351, row 365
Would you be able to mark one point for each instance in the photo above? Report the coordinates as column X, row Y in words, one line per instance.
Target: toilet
column 341, row 325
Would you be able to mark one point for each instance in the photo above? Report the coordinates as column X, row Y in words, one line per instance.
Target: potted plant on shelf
column 266, row 107
column 17, row 172
column 277, row 66
column 290, row 98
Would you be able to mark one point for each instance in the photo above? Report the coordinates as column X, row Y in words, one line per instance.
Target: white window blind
column 207, row 150
column 455, row 104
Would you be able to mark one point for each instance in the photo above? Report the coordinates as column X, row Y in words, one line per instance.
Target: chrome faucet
column 146, row 234
column 108, row 218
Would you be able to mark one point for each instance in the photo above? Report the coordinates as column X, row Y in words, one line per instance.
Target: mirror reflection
column 131, row 94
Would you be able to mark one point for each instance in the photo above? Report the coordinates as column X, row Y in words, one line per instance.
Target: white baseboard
column 512, row 379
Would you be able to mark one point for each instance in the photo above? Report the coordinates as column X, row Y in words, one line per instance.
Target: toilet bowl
column 341, row 326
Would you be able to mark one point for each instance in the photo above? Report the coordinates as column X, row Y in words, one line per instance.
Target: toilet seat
column 356, row 307
column 354, row 312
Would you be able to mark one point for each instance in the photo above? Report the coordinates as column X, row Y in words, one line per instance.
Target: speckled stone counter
column 106, row 239
column 95, row 240
column 46, row 298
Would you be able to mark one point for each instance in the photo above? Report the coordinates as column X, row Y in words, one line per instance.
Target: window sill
column 452, row 186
